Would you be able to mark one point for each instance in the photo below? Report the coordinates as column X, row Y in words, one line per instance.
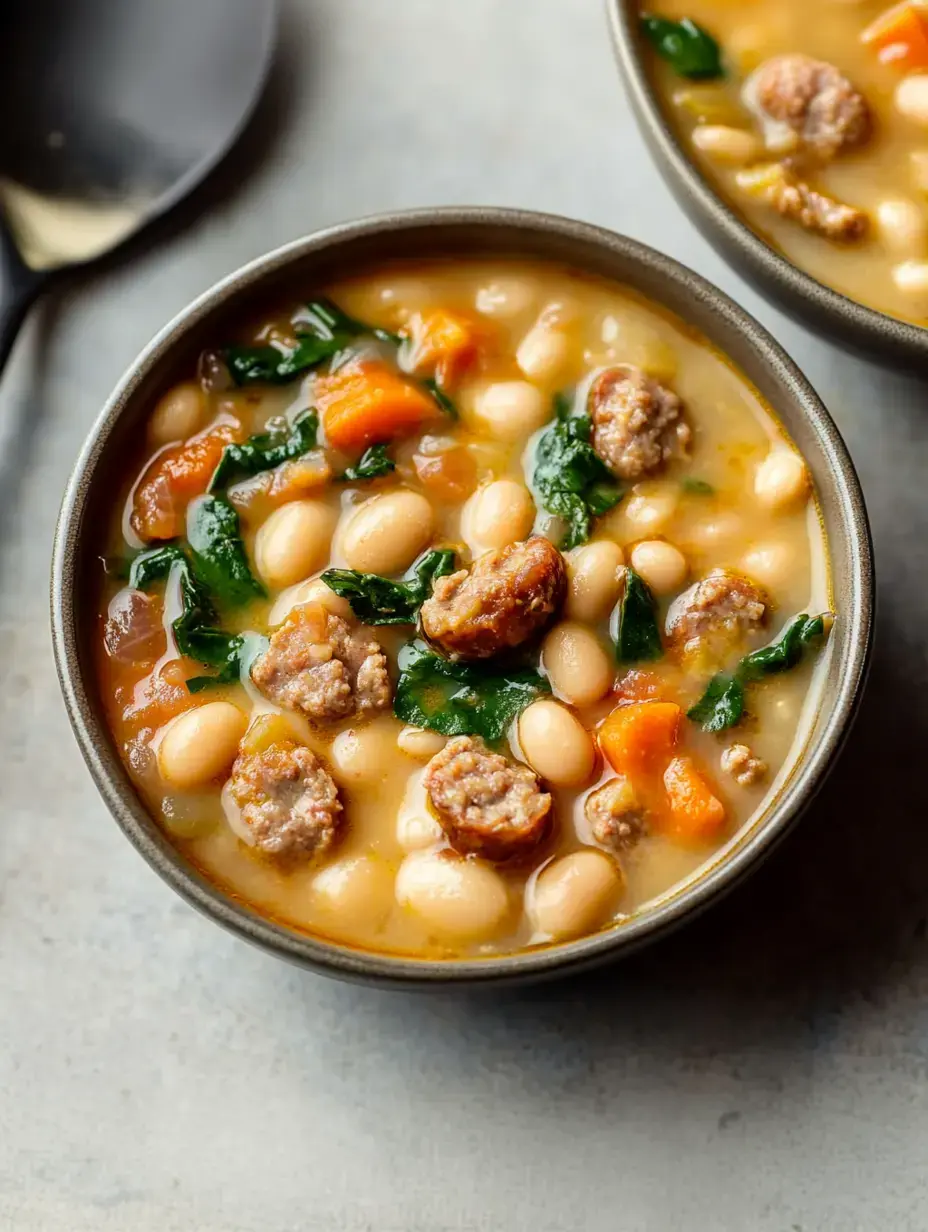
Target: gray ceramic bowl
column 448, row 232
column 840, row 318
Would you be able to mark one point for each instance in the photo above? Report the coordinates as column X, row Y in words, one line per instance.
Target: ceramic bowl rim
column 75, row 670
column 841, row 315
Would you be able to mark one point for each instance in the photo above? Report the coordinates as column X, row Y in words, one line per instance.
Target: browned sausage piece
column 637, row 423
column 287, row 800
column 504, row 598
column 744, row 767
column 792, row 198
column 486, row 804
column 812, row 101
column 716, row 614
column 615, row 815
column 316, row 663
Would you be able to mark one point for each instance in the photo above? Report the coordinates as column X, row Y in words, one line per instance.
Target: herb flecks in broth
column 378, row 601
column 722, row 704
column 570, row 477
column 462, row 699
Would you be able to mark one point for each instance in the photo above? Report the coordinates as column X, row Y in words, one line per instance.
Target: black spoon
column 112, row 111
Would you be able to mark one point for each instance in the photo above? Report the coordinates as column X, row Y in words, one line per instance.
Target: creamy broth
column 885, row 177
column 703, row 502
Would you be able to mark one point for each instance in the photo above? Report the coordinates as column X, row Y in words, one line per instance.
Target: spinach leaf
column 219, row 555
column 689, row 50
column 377, row 601
column 570, row 478
column 441, row 398
column 461, row 699
column 265, row 451
column 154, row 565
column 697, row 487
column 638, row 638
column 322, row 330
column 722, row 703
column 194, row 629
column 374, row 462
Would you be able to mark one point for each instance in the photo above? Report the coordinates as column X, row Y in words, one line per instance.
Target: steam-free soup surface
column 815, row 128
column 639, row 524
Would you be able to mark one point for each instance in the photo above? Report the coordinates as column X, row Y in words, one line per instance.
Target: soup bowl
column 446, row 233
column 852, row 325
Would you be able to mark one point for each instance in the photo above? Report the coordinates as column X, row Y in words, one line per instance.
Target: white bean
column 293, row 542
column 313, row 591
column 912, row 98
column 464, row 900
column 178, row 414
column 650, row 507
column 496, row 515
column 594, row 580
column 364, row 755
column 506, row 298
column 782, row 480
column 388, row 532
column 511, row 410
column 555, row 744
column 771, row 564
column 576, row 894
column 200, row 744
column 420, row 743
column 661, row 565
column 724, row 144
column 543, row 352
column 358, row 889
column 710, row 534
column 911, row 278
column 576, row 663
column 903, row 227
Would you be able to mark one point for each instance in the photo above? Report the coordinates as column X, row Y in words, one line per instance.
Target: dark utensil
column 113, row 111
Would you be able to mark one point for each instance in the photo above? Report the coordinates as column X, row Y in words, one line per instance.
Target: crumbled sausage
column 715, row 614
column 504, row 598
column 637, row 423
column 486, row 804
column 316, row 663
column 794, row 199
column 811, row 100
column 287, row 800
column 616, row 817
column 746, row 769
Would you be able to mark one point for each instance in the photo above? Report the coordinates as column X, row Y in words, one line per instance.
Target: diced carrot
column 696, row 815
column 363, row 404
column 900, row 36
column 640, row 738
column 442, row 343
column 174, row 478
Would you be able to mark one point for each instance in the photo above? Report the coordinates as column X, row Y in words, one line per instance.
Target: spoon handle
column 19, row 286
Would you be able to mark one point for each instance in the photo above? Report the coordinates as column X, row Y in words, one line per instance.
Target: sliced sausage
column 486, row 804
column 716, row 614
column 746, row 769
column 637, row 423
column 288, row 802
column 316, row 663
column 812, row 102
column 615, row 815
column 502, row 600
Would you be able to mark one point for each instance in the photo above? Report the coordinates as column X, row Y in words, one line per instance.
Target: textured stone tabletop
column 764, row 1070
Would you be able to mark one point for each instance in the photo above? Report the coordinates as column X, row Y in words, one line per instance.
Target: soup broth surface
column 706, row 501
column 882, row 260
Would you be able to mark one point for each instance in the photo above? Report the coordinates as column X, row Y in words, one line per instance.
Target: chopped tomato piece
column 173, row 480
column 900, row 36
column 696, row 814
column 363, row 404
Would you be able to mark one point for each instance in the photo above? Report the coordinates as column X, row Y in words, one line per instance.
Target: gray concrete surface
column 764, row 1070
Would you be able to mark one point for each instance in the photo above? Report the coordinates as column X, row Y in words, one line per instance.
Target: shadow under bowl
column 425, row 234
column 884, row 338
